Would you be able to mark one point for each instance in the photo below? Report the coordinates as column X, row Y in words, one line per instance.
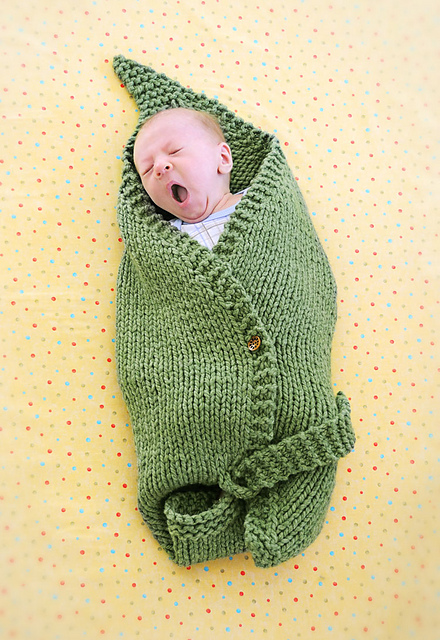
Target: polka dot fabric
column 350, row 90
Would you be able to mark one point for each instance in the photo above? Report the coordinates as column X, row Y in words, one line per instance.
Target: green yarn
column 237, row 449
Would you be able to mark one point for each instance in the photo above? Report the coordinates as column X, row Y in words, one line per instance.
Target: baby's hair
column 208, row 120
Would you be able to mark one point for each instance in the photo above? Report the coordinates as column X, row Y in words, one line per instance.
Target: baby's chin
column 190, row 211
column 193, row 218
column 185, row 207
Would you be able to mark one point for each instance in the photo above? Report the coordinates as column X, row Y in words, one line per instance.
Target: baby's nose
column 163, row 167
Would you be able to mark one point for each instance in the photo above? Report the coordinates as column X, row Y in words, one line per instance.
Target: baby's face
column 183, row 166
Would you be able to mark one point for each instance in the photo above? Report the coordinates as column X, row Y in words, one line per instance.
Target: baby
column 223, row 356
column 185, row 164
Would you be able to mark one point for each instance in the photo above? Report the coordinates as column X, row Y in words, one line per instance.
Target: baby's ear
column 225, row 159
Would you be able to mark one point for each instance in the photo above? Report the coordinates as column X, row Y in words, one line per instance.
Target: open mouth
column 180, row 193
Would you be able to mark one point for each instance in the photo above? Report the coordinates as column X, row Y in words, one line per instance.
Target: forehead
column 171, row 123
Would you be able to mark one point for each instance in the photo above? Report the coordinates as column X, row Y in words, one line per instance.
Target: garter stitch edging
column 237, row 449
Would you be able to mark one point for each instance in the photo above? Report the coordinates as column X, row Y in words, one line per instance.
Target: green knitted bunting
column 237, row 447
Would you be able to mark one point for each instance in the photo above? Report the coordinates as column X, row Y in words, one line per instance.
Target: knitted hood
column 223, row 356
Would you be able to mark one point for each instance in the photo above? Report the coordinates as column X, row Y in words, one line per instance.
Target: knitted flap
column 319, row 446
column 223, row 356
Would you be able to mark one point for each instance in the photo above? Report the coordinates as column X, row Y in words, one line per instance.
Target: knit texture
column 237, row 448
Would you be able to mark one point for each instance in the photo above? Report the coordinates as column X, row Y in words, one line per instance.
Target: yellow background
column 352, row 91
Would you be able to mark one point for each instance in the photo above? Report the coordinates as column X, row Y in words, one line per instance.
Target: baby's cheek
column 147, row 186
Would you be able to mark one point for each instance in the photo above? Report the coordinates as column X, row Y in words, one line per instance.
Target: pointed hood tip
column 124, row 67
column 118, row 59
column 119, row 65
column 153, row 90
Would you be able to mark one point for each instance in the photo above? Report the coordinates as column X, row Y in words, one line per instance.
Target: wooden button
column 254, row 343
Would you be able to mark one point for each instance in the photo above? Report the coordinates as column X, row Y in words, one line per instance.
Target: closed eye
column 173, row 153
